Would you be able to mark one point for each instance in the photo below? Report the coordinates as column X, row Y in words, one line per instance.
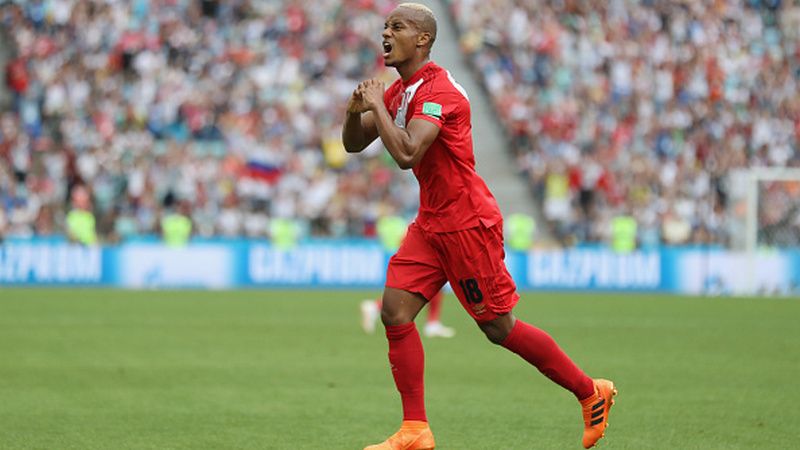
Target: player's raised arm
column 406, row 145
column 359, row 126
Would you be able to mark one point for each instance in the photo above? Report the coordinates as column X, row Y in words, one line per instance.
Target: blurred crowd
column 227, row 111
column 642, row 108
column 230, row 113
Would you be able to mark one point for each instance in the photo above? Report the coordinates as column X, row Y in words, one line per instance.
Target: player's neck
column 408, row 70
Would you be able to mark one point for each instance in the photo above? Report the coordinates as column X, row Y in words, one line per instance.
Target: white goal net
column 764, row 209
column 763, row 223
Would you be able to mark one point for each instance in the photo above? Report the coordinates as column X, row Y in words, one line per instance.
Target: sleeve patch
column 432, row 109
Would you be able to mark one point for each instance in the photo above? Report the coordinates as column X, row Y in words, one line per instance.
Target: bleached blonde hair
column 425, row 20
column 418, row 7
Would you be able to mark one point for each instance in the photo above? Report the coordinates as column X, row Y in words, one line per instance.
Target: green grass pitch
column 100, row 369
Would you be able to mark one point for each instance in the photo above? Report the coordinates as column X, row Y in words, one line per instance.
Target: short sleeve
column 436, row 108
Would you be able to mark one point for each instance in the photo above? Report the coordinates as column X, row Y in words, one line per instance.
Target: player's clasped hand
column 372, row 93
column 367, row 96
column 356, row 103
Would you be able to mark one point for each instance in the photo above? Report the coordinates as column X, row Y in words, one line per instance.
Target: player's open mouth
column 387, row 49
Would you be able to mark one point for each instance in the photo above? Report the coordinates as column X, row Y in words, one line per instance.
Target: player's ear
column 424, row 39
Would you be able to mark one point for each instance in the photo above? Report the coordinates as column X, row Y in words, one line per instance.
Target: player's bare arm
column 406, row 145
column 359, row 126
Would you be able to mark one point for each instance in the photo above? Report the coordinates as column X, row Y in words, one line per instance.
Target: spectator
column 81, row 223
column 520, row 232
column 176, row 226
column 227, row 105
column 639, row 104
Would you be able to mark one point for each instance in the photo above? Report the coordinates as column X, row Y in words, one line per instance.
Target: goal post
column 763, row 223
column 772, row 208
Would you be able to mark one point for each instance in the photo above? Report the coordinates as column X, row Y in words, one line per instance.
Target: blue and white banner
column 720, row 272
column 362, row 264
column 209, row 266
column 42, row 262
column 328, row 265
column 593, row 268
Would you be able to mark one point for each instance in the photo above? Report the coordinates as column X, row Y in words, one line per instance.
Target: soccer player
column 424, row 122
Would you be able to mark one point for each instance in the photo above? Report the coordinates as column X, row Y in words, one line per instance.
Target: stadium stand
column 232, row 108
column 639, row 107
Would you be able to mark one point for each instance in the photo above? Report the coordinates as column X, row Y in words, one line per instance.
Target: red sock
column 435, row 307
column 539, row 349
column 408, row 365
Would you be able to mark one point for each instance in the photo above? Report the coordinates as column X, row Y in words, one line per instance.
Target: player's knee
column 494, row 334
column 390, row 316
column 400, row 307
column 497, row 330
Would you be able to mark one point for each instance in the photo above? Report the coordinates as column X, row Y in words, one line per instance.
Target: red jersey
column 452, row 195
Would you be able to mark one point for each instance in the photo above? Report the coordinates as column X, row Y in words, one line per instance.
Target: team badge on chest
column 402, row 110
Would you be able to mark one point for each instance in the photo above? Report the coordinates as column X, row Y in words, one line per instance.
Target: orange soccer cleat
column 595, row 411
column 413, row 435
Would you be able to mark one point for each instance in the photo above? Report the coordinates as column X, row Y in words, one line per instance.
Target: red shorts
column 471, row 260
